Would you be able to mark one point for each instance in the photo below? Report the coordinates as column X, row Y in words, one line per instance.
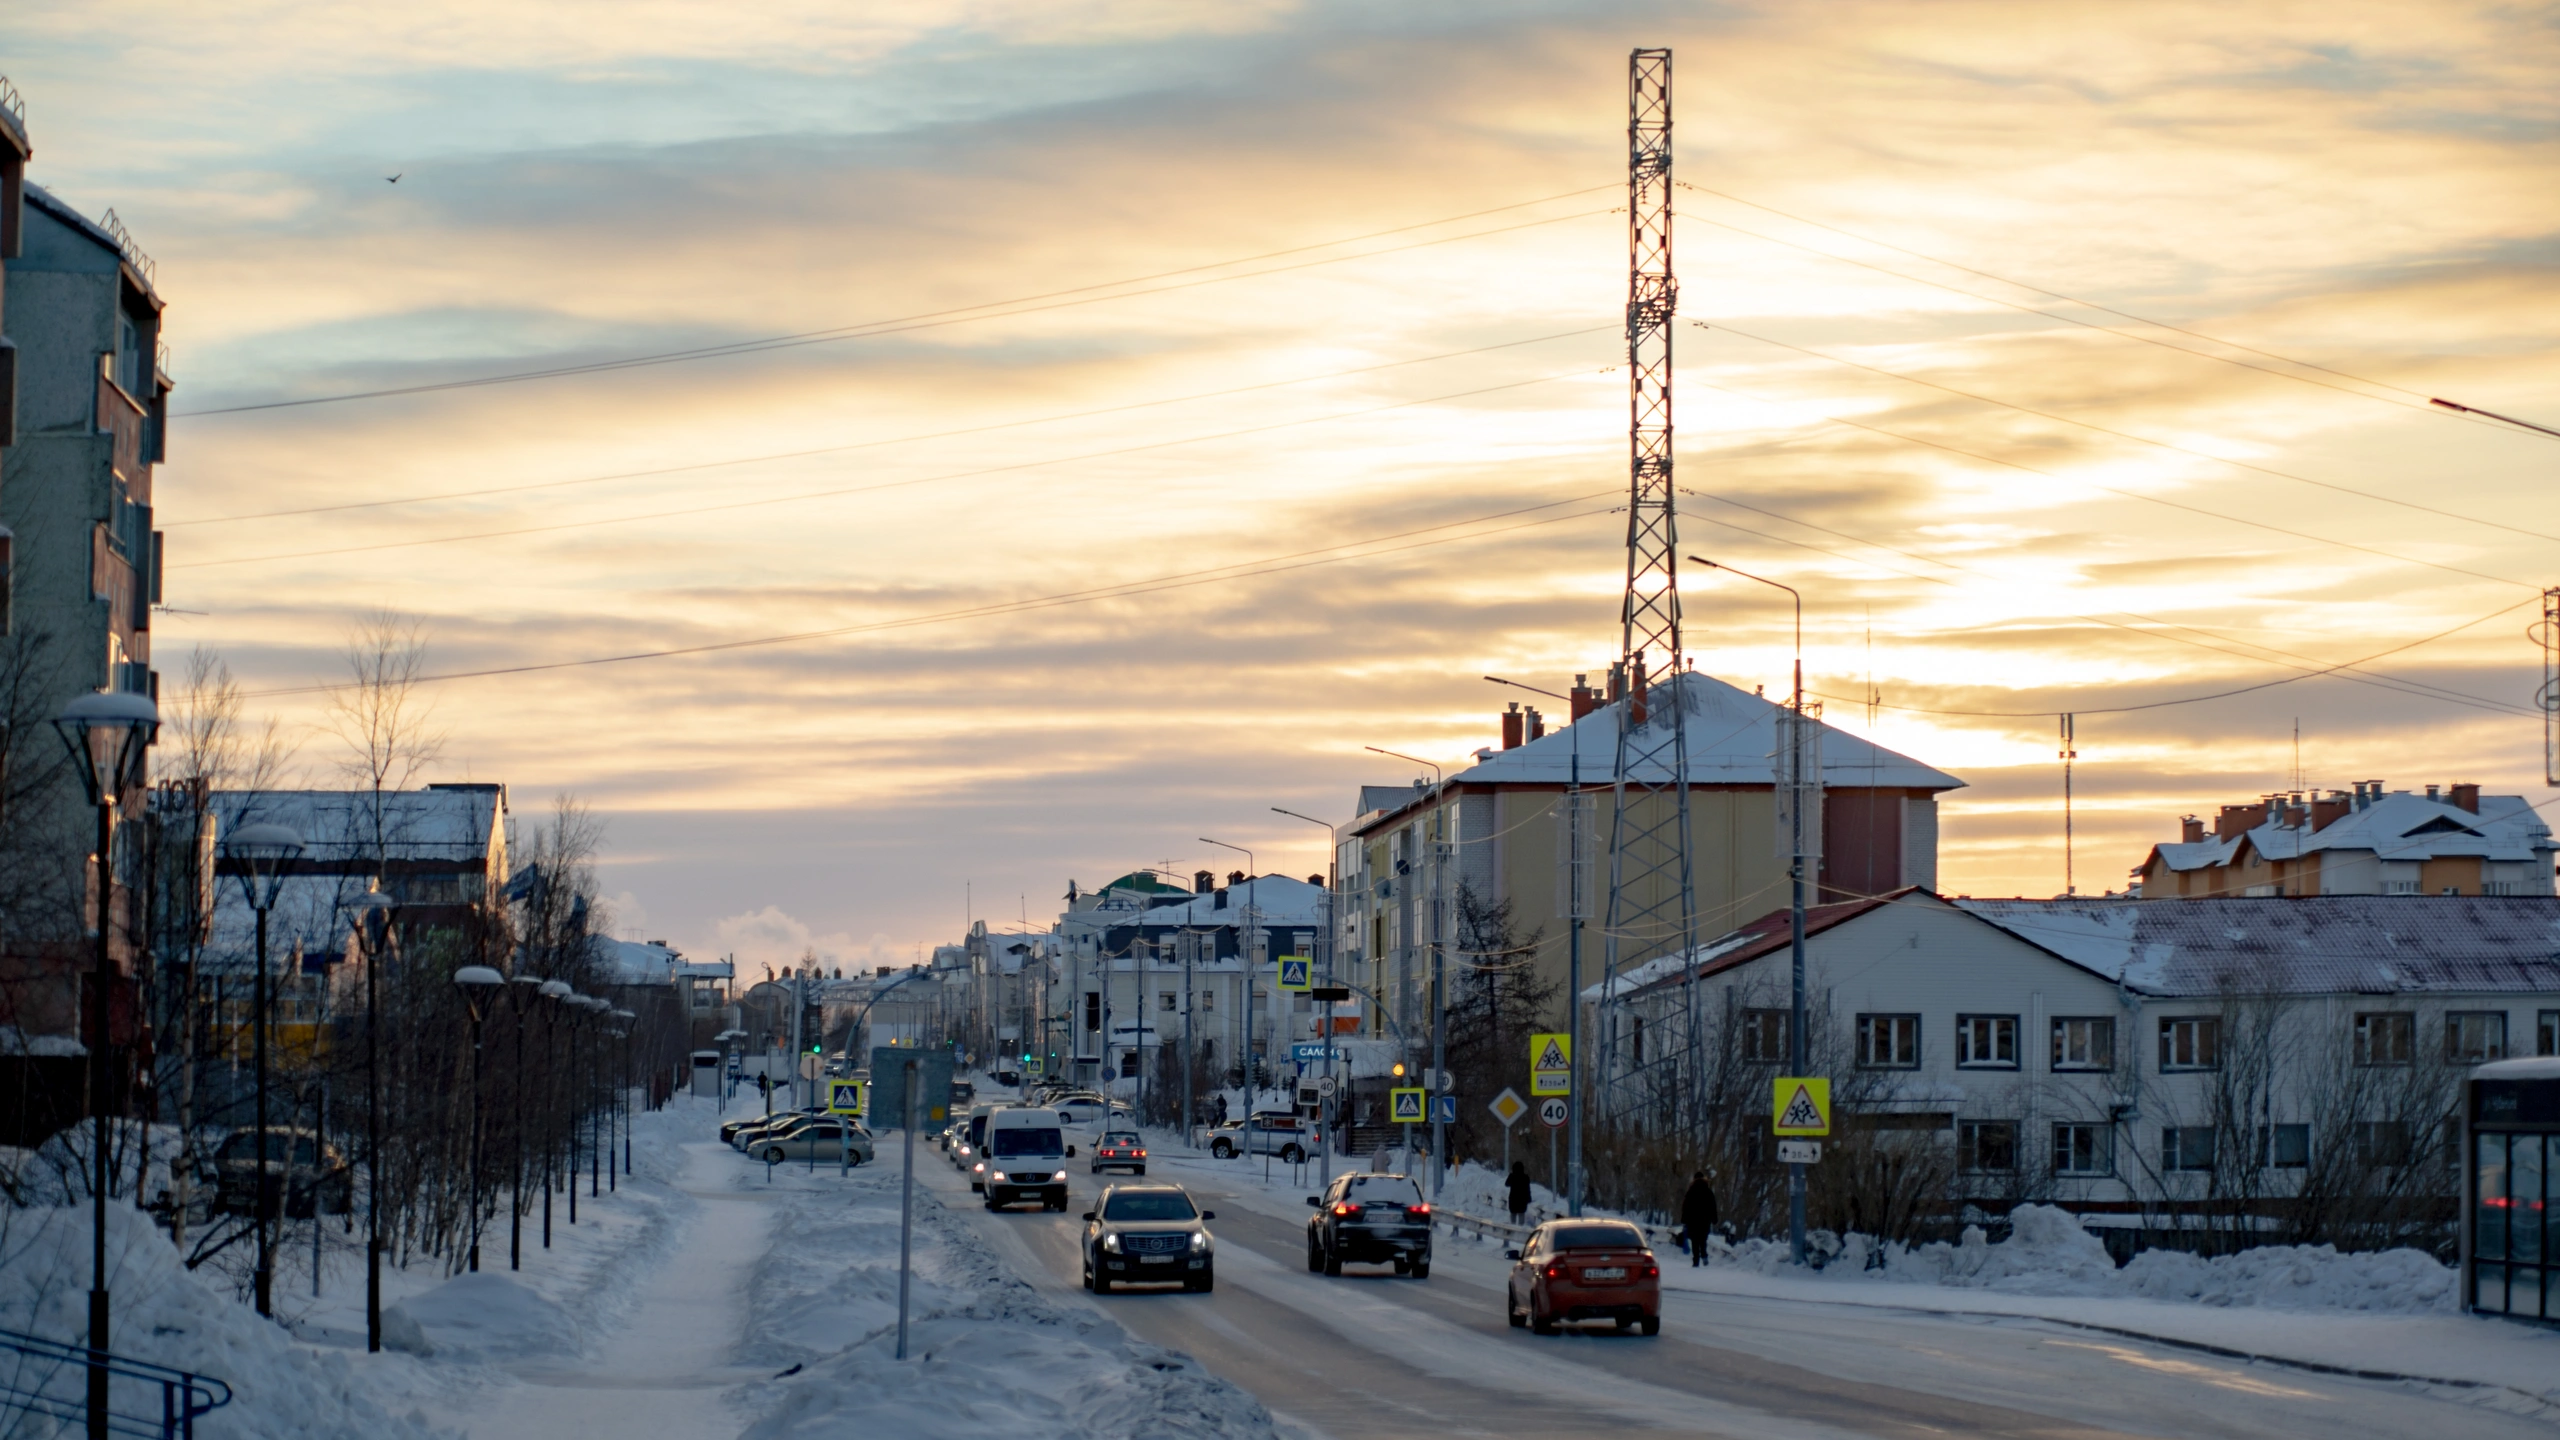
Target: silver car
column 824, row 1141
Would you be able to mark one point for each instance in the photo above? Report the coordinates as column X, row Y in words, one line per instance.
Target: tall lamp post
column 1330, row 942
column 1575, row 912
column 1249, row 939
column 110, row 734
column 523, row 991
column 262, row 852
column 1441, row 850
column 556, row 992
column 479, row 986
column 623, row 1023
column 376, row 915
column 1794, row 750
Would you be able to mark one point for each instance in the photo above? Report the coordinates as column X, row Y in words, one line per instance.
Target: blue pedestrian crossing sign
column 844, row 1097
column 1404, row 1105
column 1444, row 1109
column 1295, row 972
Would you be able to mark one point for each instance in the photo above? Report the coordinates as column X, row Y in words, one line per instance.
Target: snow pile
column 60, row 1171
column 164, row 1315
column 485, row 1316
column 2048, row 1253
column 988, row 1356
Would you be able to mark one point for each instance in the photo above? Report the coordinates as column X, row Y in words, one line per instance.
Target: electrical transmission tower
column 1652, row 898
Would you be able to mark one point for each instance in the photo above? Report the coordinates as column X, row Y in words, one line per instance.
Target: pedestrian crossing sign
column 844, row 1097
column 1551, row 1064
column 1294, row 972
column 1800, row 1105
column 1404, row 1106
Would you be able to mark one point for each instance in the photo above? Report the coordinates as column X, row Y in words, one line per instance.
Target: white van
column 1026, row 1159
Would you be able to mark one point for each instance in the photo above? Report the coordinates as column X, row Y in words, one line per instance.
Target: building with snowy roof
column 1496, row 829
column 2254, row 1060
column 2451, row 840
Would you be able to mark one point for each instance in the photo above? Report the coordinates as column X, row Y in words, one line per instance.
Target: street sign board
column 1297, row 972
column 1326, row 1085
column 1307, row 1052
column 1800, row 1105
column 844, row 1097
column 812, row 1066
column 1553, row 1110
column 1799, row 1152
column 1334, row 993
column 1444, row 1109
column 1404, row 1105
column 1031, row 1067
column 1551, row 1064
column 1508, row 1107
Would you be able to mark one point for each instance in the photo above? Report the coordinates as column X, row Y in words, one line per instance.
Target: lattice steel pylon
column 1652, row 906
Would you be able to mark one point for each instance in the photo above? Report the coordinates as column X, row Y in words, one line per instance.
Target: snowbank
column 164, row 1315
column 484, row 1316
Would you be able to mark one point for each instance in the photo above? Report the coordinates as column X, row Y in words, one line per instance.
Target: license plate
column 1605, row 1272
column 1156, row 1259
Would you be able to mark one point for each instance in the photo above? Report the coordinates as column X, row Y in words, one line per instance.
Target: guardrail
column 49, row 1379
column 1460, row 1222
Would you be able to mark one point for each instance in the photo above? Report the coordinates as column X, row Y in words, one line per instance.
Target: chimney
column 1235, row 877
column 2190, row 829
column 1316, row 880
column 2431, row 793
column 1636, row 696
column 2237, row 820
column 1511, row 724
column 1203, row 881
column 1221, row 902
column 2467, row 796
column 2327, row 812
column 1537, row 723
column 1585, row 699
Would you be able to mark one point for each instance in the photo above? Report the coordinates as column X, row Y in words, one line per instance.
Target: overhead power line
column 878, row 444
column 1363, row 549
column 957, row 315
column 842, row 491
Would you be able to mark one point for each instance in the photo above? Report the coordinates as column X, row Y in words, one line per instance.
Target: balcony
column 121, row 416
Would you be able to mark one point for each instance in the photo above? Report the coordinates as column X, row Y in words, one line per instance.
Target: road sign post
column 1406, row 1107
column 1508, row 1107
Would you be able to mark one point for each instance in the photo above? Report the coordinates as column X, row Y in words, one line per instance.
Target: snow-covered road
column 1372, row 1355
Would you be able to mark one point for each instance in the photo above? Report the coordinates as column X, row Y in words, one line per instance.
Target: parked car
column 1286, row 1136
column 750, row 1131
column 1026, row 1159
column 1147, row 1235
column 1121, row 1150
column 1572, row 1270
column 753, row 1142
column 301, row 1170
column 1370, row 1219
column 824, row 1140
column 731, row 1129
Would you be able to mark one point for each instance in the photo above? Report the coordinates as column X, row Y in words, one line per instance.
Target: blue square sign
column 1444, row 1109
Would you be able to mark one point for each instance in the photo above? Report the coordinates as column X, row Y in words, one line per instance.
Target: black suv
column 1370, row 1219
column 1148, row 1235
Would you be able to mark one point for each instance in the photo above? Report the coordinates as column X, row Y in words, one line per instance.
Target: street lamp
column 375, row 914
column 1440, row 848
column 1576, row 865
column 622, row 1090
column 262, row 852
column 1332, row 881
column 110, row 734
column 1249, row 937
column 522, row 992
column 1795, row 753
column 557, row 992
column 478, row 984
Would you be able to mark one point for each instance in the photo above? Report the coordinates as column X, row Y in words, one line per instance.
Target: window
column 2546, row 1033
column 1987, row 1147
column 2190, row 1042
column 2471, row 1036
column 2084, row 1149
column 1889, row 1042
column 1208, row 999
column 2387, row 1038
column 1092, row 1011
column 2382, row 1142
column 1764, row 1037
column 1987, row 1042
column 1166, row 1001
column 2284, row 1147
column 2085, row 1042
column 2186, row 1147
column 1636, row 1040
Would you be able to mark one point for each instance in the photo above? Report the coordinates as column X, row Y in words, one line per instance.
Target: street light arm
column 2494, row 415
column 1534, row 690
column 1793, row 592
column 1397, row 755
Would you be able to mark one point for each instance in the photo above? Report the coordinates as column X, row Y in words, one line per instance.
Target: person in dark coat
column 1519, row 1191
column 1698, row 1216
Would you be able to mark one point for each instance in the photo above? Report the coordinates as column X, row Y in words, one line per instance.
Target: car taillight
column 1652, row 1272
column 1422, row 1210
column 1346, row 1209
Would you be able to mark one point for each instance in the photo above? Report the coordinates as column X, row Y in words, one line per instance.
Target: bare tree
column 380, row 715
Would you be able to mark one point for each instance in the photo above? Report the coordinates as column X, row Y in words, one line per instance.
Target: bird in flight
column 394, row 179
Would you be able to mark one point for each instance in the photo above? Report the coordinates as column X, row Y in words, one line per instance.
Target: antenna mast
column 1652, row 899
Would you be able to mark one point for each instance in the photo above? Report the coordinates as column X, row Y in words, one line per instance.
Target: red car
column 1120, row 1150
column 1585, row 1270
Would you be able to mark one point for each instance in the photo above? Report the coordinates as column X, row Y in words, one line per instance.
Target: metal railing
column 47, row 1380
column 131, row 248
column 13, row 105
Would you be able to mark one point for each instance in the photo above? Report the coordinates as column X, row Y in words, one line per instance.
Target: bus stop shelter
column 2511, row 1190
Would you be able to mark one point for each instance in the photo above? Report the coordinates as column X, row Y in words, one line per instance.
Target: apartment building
column 2449, row 840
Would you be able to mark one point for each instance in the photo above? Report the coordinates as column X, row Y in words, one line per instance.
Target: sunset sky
column 1187, row 295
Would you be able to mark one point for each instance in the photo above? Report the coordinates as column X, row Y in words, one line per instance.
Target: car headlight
column 1200, row 1242
column 1061, row 1175
column 1111, row 1243
column 980, row 1167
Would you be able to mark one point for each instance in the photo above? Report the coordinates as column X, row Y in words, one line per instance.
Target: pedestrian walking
column 1698, row 1216
column 1519, row 1191
column 1222, row 1108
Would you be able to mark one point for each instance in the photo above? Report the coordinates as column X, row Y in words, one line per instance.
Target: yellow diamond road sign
column 1404, row 1106
column 1294, row 970
column 1508, row 1107
column 1800, row 1105
column 1551, row 1064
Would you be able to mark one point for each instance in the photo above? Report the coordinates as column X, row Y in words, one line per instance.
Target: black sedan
column 1148, row 1235
column 1370, row 1219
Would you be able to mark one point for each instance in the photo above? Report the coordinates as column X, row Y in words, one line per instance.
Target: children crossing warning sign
column 1800, row 1105
column 1404, row 1106
column 1551, row 1064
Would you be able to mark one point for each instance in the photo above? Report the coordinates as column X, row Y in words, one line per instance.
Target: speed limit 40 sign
column 1552, row 1110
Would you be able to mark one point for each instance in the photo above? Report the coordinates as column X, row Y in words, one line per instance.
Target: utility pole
column 1652, row 892
column 2070, row 881
column 1440, row 848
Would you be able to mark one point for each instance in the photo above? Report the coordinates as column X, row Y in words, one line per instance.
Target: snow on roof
column 2322, row 944
column 1733, row 740
column 637, row 962
column 313, row 915
column 1768, row 933
column 2536, row 1067
column 437, row 823
column 2396, row 826
column 1276, row 899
